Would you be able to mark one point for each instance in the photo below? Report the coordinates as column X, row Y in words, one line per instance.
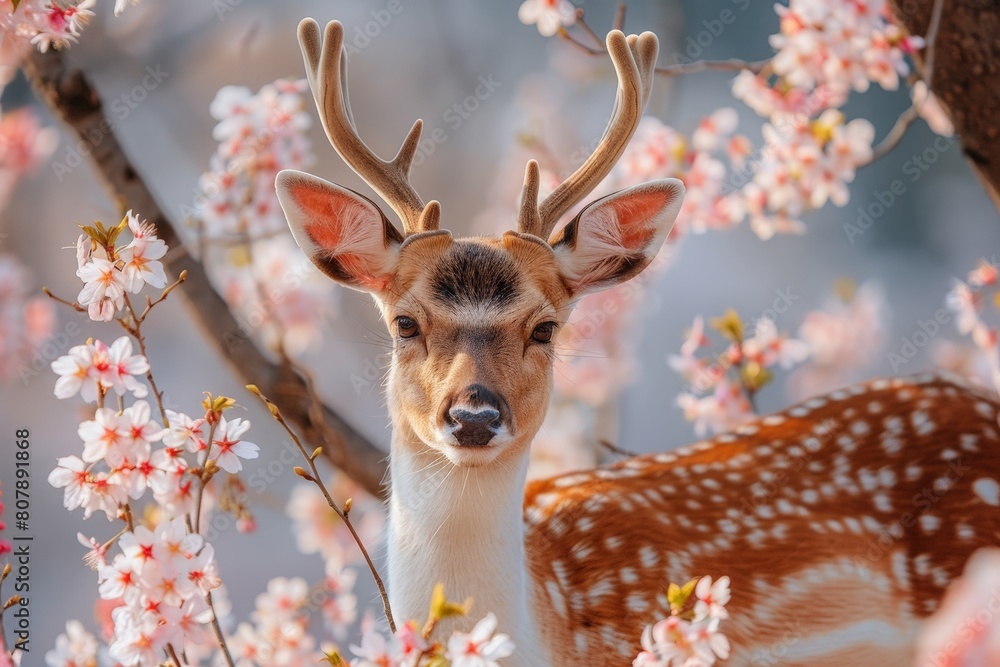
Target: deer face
column 473, row 321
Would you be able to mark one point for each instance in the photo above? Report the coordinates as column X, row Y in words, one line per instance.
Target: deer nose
column 476, row 412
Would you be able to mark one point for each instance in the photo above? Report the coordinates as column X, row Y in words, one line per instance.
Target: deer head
column 474, row 319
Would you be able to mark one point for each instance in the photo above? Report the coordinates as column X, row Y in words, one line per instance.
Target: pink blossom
column 548, row 15
column 481, row 647
column 228, row 449
column 141, row 257
column 74, row 648
column 103, row 291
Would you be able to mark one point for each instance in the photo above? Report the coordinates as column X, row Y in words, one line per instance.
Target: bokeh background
column 430, row 55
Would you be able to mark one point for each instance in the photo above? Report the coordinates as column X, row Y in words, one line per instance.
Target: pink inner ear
column 637, row 218
column 323, row 210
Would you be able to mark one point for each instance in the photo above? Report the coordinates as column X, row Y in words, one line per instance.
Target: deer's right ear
column 344, row 233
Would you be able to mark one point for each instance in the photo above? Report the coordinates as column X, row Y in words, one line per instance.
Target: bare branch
column 70, row 96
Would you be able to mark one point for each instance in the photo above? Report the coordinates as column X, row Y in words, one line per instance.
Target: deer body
column 840, row 522
column 473, row 322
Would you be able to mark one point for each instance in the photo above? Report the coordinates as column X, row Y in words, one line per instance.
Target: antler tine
column 634, row 59
column 326, row 70
column 528, row 221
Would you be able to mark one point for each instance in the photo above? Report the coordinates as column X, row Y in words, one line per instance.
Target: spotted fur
column 840, row 522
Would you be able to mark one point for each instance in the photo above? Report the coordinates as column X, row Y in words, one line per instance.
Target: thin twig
column 72, row 304
column 203, row 482
column 218, row 632
column 135, row 329
column 163, row 295
column 728, row 65
column 616, row 450
column 3, row 640
column 173, row 655
column 912, row 112
column 316, row 479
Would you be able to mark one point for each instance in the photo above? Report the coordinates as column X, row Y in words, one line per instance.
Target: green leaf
column 729, row 325
column 755, row 376
column 678, row 596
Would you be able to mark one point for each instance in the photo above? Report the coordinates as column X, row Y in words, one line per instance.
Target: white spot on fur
column 988, row 490
column 929, row 523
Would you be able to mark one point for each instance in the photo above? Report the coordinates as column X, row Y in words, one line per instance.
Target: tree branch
column 966, row 68
column 70, row 96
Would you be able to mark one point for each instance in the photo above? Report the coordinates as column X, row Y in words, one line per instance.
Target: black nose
column 476, row 411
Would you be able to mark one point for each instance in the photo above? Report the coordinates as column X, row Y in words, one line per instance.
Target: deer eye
column 543, row 332
column 407, row 327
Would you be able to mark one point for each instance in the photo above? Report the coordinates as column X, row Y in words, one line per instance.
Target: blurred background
column 426, row 58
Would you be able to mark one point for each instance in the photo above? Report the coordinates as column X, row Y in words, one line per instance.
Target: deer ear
column 344, row 234
column 614, row 238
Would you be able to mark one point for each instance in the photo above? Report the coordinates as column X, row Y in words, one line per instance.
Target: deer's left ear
column 614, row 238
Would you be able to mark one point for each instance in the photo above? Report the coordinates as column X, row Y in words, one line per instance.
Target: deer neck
column 461, row 527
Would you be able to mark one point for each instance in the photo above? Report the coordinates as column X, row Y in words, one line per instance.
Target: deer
column 840, row 521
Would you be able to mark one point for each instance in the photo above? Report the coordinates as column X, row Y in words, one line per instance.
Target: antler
column 634, row 58
column 326, row 69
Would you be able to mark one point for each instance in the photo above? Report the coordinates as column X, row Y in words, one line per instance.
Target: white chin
column 471, row 457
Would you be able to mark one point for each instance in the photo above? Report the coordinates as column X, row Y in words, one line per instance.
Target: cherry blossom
column 141, row 257
column 228, row 449
column 318, row 529
column 103, row 291
column 74, row 648
column 549, row 15
column 845, row 336
column 46, row 23
column 712, row 598
column 688, row 637
column 481, row 647
column 185, row 432
column 71, row 474
column 24, row 144
column 968, row 300
column 104, row 436
column 259, row 134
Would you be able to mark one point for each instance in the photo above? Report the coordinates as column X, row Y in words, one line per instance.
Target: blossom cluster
column 690, row 635
column 264, row 277
column 411, row 646
column 845, row 337
column 45, row 24
column 969, row 300
column 721, row 387
column 161, row 578
column 110, row 272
